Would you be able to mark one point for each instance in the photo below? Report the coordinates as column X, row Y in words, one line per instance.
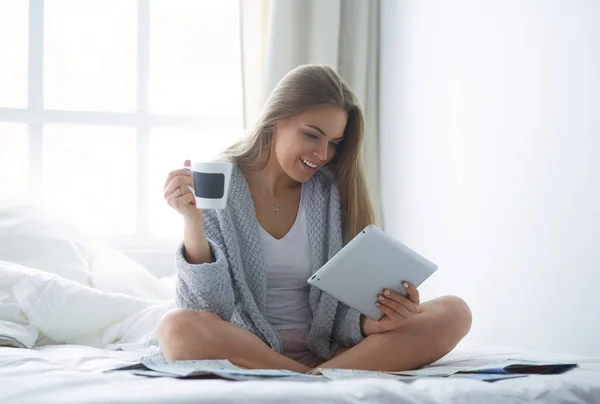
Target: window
column 100, row 99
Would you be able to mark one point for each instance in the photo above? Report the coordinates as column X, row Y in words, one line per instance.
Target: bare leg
column 185, row 335
column 432, row 333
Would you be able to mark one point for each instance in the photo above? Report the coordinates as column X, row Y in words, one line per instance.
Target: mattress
column 74, row 374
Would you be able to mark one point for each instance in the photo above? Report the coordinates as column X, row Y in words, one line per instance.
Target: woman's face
column 308, row 141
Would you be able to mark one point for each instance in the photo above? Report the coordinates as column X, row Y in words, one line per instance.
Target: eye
column 334, row 144
column 311, row 136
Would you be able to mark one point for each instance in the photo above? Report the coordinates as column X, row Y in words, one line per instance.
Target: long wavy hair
column 304, row 88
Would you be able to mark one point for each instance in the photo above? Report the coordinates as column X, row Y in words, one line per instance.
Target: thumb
column 187, row 163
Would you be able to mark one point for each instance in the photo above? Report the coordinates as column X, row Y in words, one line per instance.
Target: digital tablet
column 370, row 262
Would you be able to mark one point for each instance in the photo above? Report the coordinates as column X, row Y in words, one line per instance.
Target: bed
column 71, row 373
column 71, row 309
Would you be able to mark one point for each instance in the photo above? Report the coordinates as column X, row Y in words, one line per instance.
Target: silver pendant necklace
column 276, row 209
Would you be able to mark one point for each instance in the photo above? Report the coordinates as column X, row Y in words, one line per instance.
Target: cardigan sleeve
column 346, row 328
column 206, row 287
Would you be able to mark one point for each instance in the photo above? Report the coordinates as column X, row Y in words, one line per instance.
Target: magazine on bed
column 195, row 369
column 508, row 369
column 226, row 370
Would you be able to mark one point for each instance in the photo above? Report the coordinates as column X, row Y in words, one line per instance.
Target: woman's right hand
column 178, row 195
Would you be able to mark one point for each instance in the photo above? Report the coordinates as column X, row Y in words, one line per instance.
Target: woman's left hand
column 397, row 310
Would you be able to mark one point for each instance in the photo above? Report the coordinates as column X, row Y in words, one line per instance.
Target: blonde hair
column 303, row 88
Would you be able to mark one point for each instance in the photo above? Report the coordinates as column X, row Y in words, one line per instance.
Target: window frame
column 35, row 116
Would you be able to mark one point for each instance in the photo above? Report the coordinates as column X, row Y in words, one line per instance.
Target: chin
column 303, row 172
column 297, row 176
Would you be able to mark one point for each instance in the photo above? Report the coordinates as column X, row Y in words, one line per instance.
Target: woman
column 297, row 194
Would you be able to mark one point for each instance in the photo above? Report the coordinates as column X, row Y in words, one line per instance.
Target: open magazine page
column 225, row 369
column 208, row 368
column 337, row 374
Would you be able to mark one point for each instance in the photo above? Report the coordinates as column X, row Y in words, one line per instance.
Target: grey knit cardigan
column 234, row 286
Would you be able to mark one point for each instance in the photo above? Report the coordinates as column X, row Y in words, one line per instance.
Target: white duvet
column 42, row 307
column 58, row 285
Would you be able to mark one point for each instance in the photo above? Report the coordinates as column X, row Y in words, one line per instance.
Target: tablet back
column 369, row 263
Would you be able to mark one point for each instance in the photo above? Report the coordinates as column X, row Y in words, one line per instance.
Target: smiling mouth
column 309, row 164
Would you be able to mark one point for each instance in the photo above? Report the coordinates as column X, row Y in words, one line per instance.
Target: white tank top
column 289, row 265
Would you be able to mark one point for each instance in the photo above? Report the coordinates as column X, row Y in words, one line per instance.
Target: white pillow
column 113, row 271
column 66, row 311
column 32, row 237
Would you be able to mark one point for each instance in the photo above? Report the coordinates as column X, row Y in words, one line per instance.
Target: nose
column 321, row 151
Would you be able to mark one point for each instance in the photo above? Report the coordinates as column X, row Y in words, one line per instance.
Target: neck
column 272, row 180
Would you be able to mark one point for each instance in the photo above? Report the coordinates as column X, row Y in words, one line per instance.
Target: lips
column 309, row 164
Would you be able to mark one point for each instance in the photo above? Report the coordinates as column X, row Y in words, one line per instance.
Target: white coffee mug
column 211, row 184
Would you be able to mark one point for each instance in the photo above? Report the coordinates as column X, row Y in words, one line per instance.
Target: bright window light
column 195, row 58
column 122, row 92
column 89, row 173
column 14, row 160
column 13, row 53
column 90, row 55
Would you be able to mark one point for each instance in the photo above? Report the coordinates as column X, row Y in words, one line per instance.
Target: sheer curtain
column 278, row 35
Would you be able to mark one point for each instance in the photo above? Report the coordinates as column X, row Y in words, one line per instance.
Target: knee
column 458, row 314
column 176, row 325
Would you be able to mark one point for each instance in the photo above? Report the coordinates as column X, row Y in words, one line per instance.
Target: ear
column 273, row 130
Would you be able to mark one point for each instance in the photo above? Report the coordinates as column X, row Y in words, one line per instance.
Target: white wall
column 490, row 160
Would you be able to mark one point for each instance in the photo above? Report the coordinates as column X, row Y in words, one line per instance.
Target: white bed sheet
column 69, row 373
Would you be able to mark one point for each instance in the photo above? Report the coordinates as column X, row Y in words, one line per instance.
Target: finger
column 175, row 173
column 413, row 293
column 388, row 319
column 400, row 308
column 176, row 189
column 176, row 194
column 181, row 202
column 402, row 300
column 178, row 182
column 392, row 294
column 410, row 305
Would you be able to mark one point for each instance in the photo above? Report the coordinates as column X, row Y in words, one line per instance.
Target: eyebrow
column 322, row 132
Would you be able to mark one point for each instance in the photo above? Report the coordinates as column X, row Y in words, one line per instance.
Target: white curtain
column 278, row 35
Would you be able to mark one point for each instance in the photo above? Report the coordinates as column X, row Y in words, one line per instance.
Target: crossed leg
column 428, row 336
